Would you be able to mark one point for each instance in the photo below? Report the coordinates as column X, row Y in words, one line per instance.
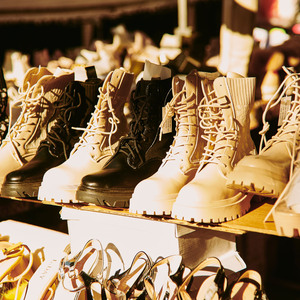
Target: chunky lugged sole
column 24, row 190
column 257, row 182
column 118, row 198
column 57, row 194
column 162, row 207
column 226, row 211
column 287, row 222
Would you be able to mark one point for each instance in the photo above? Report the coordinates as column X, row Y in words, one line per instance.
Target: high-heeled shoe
column 77, row 274
column 165, row 277
column 128, row 284
column 247, row 287
column 204, row 282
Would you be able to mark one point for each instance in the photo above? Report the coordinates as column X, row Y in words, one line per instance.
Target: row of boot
column 186, row 152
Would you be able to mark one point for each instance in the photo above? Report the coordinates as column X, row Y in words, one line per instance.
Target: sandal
column 129, row 284
column 77, row 274
column 43, row 283
column 164, row 278
column 203, row 282
column 247, row 287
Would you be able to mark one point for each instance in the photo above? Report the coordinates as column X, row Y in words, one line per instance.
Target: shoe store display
column 156, row 194
column 72, row 109
column 268, row 172
column 96, row 144
column 140, row 153
column 130, row 134
column 225, row 120
column 24, row 137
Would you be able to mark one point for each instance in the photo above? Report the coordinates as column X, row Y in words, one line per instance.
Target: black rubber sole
column 117, row 198
column 28, row 190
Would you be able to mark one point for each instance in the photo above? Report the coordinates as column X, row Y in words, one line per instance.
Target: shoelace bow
column 61, row 129
column 212, row 121
column 95, row 126
column 181, row 107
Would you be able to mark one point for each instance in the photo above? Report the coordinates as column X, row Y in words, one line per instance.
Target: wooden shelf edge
column 253, row 221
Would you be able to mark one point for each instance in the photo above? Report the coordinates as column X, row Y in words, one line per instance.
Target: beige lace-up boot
column 97, row 143
column 40, row 90
column 268, row 172
column 225, row 119
column 156, row 194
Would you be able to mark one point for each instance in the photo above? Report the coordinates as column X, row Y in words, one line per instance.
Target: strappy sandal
column 204, row 283
column 43, row 283
column 77, row 274
column 16, row 262
column 164, row 278
column 247, row 287
column 128, row 284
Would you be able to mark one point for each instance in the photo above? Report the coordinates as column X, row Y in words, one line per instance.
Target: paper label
column 285, row 106
column 167, row 125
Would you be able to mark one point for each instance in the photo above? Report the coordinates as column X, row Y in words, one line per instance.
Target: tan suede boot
column 225, row 119
column 40, row 90
column 97, row 143
column 268, row 172
column 156, row 194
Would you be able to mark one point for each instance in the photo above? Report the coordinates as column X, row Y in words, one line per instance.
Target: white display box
column 43, row 243
column 130, row 235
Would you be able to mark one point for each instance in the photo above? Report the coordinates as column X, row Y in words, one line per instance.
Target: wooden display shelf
column 253, row 221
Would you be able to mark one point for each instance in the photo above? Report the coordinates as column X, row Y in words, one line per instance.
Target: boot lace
column 180, row 106
column 30, row 109
column 130, row 144
column 60, row 131
column 96, row 126
column 289, row 125
column 212, row 121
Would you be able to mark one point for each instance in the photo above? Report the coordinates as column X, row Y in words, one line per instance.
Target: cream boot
column 225, row 119
column 268, row 172
column 40, row 90
column 97, row 143
column 156, row 194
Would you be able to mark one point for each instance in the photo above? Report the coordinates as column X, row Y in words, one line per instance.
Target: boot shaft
column 37, row 108
column 187, row 147
column 108, row 122
column 147, row 102
column 227, row 121
column 281, row 144
column 72, row 110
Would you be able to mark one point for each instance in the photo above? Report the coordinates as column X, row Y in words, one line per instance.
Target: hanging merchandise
column 41, row 89
column 225, row 121
column 97, row 143
column 72, row 109
column 140, row 153
column 156, row 194
column 268, row 172
column 16, row 262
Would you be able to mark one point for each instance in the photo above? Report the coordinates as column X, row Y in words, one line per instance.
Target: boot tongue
column 222, row 92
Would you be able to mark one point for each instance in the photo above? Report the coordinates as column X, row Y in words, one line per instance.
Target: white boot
column 156, row 194
column 97, row 143
column 40, row 90
column 268, row 172
column 225, row 119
